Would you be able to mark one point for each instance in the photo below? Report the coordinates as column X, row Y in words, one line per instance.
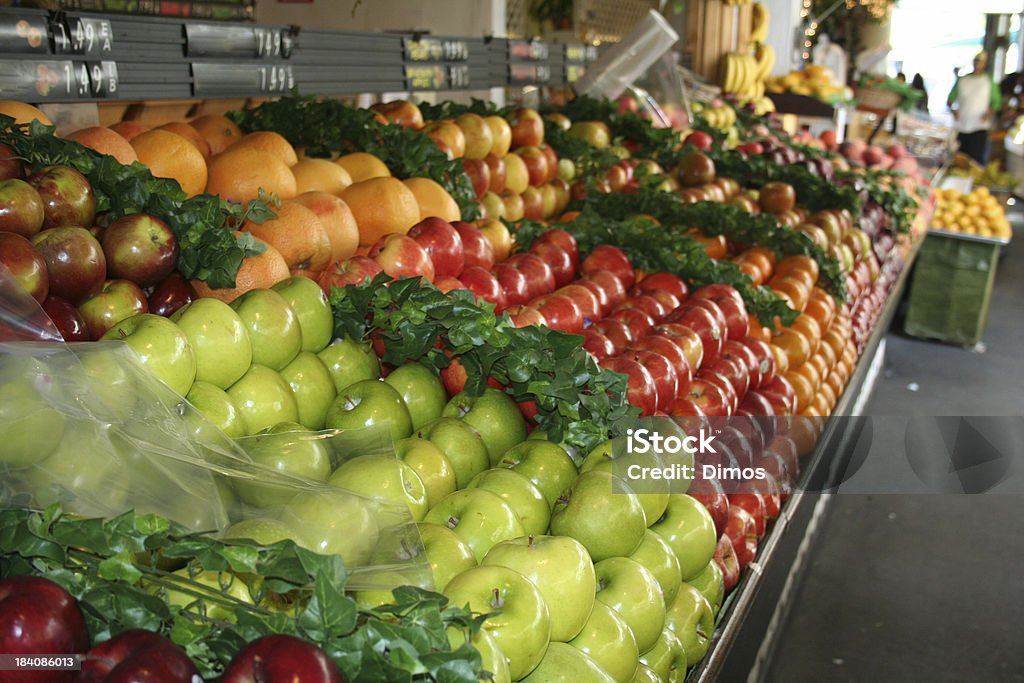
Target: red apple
column 607, row 257
column 718, row 379
column 663, row 282
column 709, row 492
column 686, row 339
column 701, row 321
column 527, row 127
column 351, row 271
column 38, row 617
column 137, row 655
column 781, row 395
column 598, row 345
column 533, row 203
column 536, row 164
column 281, row 659
column 765, row 359
column 753, row 502
column 443, row 245
column 552, row 158
column 733, row 349
column 448, row 284
column 524, row 316
column 563, row 239
column 666, row 379
column 725, row 558
column 67, row 197
column 617, row 331
column 10, row 165
column 611, row 284
column 497, row 170
column 66, row 319
column 402, row 256
column 477, row 249
column 638, row 320
column 21, row 208
column 641, row 391
column 589, row 304
column 737, row 321
column 561, row 312
column 115, row 301
column 699, row 139
column 514, row 283
column 741, row 529
column 484, row 285
column 709, row 397
column 25, row 264
column 669, row 349
column 603, row 306
column 479, row 175
column 648, row 304
column 140, row 248
column 695, row 168
column 74, row 261
column 540, row 277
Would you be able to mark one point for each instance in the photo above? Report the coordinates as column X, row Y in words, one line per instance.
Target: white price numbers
column 275, row 78
column 268, row 42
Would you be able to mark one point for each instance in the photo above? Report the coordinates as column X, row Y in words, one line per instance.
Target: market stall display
column 442, row 317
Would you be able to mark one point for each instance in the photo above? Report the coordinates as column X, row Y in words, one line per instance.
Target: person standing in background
column 918, row 83
column 973, row 99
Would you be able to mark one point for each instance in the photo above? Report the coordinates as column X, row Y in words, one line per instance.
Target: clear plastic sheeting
column 87, row 425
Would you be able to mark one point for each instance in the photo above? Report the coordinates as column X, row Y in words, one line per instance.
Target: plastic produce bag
column 87, row 425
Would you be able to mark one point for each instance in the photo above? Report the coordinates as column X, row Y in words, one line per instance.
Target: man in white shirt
column 973, row 100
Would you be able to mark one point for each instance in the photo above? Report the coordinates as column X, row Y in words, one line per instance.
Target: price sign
column 243, row 42
column 25, row 35
column 241, row 79
column 424, row 50
column 103, row 79
column 528, row 74
column 575, row 53
column 83, row 36
column 574, row 73
column 527, row 51
column 458, row 76
column 426, row 77
column 44, row 80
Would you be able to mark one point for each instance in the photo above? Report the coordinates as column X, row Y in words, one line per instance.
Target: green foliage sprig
column 109, row 567
column 577, row 401
column 208, row 247
column 654, row 247
column 646, row 140
column 323, row 127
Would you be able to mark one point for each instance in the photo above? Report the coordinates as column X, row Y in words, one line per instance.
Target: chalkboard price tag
column 26, row 35
column 528, row 51
column 83, row 36
column 241, row 79
column 528, row 74
column 242, row 42
column 426, row 77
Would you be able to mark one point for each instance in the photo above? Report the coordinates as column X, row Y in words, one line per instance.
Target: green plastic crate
column 951, row 289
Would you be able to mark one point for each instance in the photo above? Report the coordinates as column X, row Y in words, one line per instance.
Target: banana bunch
column 739, row 76
column 763, row 105
column 759, row 23
column 764, row 55
column 722, row 117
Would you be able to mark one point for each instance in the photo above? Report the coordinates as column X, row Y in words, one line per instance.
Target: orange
column 270, row 142
column 751, row 269
column 828, row 359
column 803, row 387
column 797, row 290
column 128, row 129
column 257, row 272
column 835, row 340
column 836, row 383
column 105, row 141
column 804, row 432
column 829, row 394
column 798, row 262
column 795, row 345
column 363, row 166
column 220, row 131
column 810, row 329
column 238, row 174
column 433, row 199
column 338, row 221
column 809, row 372
column 23, row 113
column 381, row 206
column 763, row 252
column 320, row 175
column 169, row 155
column 822, row 307
column 191, row 134
column 715, row 247
column 298, row 235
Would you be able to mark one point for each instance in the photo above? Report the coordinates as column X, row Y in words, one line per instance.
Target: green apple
column 520, row 621
column 333, row 522
column 30, row 428
column 287, row 448
column 109, row 380
column 597, row 513
column 609, row 641
column 521, row 495
column 308, row 301
column 571, row 451
column 692, row 619
column 447, row 554
column 666, row 658
column 272, row 325
column 422, row 391
column 214, row 404
column 478, row 517
column 711, row 585
column 161, row 346
column 84, row 470
column 264, row 399
column 657, row 556
column 367, row 404
column 493, row 660
column 430, row 464
column 386, row 478
column 545, row 464
column 561, row 570
column 494, row 415
column 219, row 339
column 313, row 388
column 628, row 588
column 563, row 663
column 644, row 674
column 214, row 596
column 263, row 530
column 611, row 456
column 350, row 361
column 461, row 444
column 689, row 530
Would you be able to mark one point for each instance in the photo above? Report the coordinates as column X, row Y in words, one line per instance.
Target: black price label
column 103, row 79
column 241, row 80
column 44, row 81
column 424, row 50
column 527, row 51
column 575, row 53
column 574, row 73
column 262, row 42
column 426, row 77
column 83, row 36
column 458, row 76
column 528, row 74
column 23, row 36
column 273, row 43
column 276, row 79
